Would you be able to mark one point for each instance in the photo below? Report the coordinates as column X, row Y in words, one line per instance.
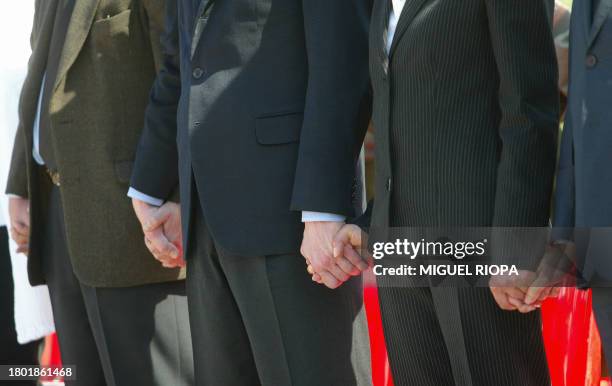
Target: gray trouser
column 261, row 321
column 116, row 336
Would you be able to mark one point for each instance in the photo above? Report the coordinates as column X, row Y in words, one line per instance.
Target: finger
column 525, row 309
column 525, row 280
column 156, row 220
column 310, row 269
column 17, row 234
column 355, row 258
column 19, row 239
column 317, row 278
column 20, row 228
column 180, row 262
column 162, row 244
column 514, row 292
column 543, row 296
column 534, row 294
column 540, row 288
column 347, row 235
column 521, row 306
column 338, row 273
column 555, row 292
column 347, row 267
column 164, row 260
column 516, row 303
column 24, row 248
column 329, row 280
column 170, row 264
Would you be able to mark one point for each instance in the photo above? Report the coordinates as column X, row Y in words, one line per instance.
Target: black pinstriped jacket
column 465, row 113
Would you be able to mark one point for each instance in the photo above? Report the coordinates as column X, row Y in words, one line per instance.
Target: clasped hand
column 526, row 292
column 331, row 253
column 330, row 249
column 162, row 231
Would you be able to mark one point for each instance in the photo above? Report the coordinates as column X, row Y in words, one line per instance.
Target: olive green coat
column 96, row 112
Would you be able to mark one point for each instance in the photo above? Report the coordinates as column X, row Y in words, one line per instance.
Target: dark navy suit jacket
column 261, row 106
column 583, row 202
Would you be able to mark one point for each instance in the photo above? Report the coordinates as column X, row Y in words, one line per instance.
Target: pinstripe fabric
column 465, row 112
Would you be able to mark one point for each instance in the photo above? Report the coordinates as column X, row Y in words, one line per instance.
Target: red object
column 572, row 341
column 381, row 372
column 50, row 355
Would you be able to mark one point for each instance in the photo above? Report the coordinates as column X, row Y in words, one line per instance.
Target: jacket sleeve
column 154, row 12
column 156, row 165
column 337, row 107
column 563, row 215
column 524, row 50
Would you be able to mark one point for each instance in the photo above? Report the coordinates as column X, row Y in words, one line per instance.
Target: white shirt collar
column 394, row 15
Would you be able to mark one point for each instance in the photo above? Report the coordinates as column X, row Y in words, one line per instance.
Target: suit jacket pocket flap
column 277, row 129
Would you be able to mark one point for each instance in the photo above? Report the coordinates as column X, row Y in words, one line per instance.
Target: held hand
column 510, row 291
column 162, row 231
column 19, row 213
column 317, row 250
column 555, row 271
column 350, row 243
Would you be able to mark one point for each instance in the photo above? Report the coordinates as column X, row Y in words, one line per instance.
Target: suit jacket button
column 198, row 72
column 591, row 61
column 388, row 184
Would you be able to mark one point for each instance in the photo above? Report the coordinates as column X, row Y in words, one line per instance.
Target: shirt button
column 591, row 61
column 388, row 184
column 198, row 72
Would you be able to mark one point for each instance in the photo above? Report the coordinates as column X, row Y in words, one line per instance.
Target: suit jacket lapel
column 410, row 11
column 382, row 26
column 199, row 24
column 599, row 18
column 78, row 30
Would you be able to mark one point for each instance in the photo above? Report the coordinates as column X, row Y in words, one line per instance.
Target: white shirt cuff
column 133, row 193
column 308, row 216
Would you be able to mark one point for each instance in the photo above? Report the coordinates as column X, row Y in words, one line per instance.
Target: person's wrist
column 317, row 224
column 140, row 204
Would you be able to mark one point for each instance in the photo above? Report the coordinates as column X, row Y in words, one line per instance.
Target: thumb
column 348, row 234
column 157, row 219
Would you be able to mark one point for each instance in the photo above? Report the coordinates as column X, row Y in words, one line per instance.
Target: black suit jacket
column 465, row 112
column 268, row 102
column 466, row 119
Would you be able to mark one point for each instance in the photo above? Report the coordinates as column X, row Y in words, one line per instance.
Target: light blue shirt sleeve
column 36, row 146
column 308, row 216
column 133, row 193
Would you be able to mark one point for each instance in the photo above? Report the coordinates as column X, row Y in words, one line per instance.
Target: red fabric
column 50, row 355
column 572, row 342
column 381, row 372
